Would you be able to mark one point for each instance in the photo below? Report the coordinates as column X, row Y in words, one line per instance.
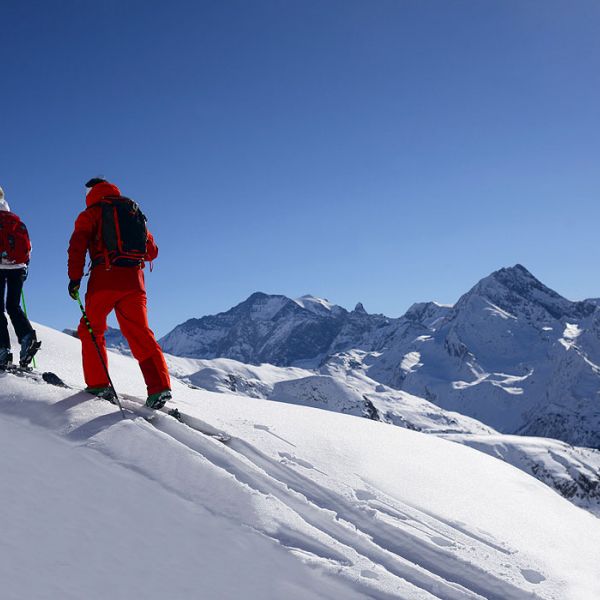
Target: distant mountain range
column 114, row 339
column 511, row 353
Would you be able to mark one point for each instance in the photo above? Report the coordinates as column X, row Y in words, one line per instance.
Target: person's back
column 116, row 283
column 15, row 251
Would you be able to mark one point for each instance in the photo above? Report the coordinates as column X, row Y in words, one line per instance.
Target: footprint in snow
column 532, row 576
column 268, row 430
column 369, row 574
column 364, row 495
column 290, row 458
column 442, row 541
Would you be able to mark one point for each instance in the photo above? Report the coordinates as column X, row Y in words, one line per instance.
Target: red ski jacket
column 87, row 237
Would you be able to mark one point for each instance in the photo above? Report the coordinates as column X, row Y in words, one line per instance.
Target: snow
column 571, row 471
column 498, row 312
column 513, row 354
column 302, row 503
column 338, row 386
column 411, row 362
column 343, row 385
column 503, row 381
column 226, row 375
column 570, row 334
column 77, row 524
column 316, row 305
column 267, row 308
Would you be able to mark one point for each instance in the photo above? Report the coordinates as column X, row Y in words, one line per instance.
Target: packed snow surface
column 300, row 503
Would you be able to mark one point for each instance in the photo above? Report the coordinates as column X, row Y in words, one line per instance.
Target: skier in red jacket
column 115, row 283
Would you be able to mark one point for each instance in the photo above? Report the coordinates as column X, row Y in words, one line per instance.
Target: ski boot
column 104, row 393
column 5, row 358
column 29, row 347
column 157, row 401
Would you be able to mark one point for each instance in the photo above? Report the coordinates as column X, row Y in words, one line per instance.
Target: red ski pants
column 121, row 289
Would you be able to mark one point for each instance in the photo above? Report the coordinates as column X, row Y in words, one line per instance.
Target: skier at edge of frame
column 15, row 253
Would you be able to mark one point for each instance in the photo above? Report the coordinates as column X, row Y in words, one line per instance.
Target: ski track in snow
column 360, row 540
column 393, row 545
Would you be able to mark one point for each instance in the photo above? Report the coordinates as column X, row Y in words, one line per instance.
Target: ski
column 130, row 404
column 137, row 407
column 29, row 373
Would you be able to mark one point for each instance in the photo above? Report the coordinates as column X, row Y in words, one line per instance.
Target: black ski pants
column 11, row 284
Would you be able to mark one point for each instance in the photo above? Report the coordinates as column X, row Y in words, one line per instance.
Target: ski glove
column 74, row 288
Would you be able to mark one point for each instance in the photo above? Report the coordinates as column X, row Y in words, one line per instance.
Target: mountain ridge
column 511, row 353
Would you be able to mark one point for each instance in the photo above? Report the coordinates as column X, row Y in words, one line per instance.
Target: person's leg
column 133, row 320
column 14, row 287
column 4, row 337
column 98, row 305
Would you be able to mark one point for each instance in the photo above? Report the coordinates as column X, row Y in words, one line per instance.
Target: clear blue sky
column 381, row 151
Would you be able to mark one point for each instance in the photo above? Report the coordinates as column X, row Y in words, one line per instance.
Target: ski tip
column 174, row 412
column 53, row 379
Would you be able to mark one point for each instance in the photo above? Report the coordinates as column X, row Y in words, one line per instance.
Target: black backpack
column 123, row 231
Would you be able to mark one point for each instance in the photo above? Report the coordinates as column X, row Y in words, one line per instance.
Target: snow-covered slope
column 78, row 521
column 333, row 388
column 375, row 511
column 341, row 386
column 573, row 472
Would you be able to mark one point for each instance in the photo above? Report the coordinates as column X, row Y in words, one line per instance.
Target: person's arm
column 78, row 245
column 29, row 246
column 151, row 249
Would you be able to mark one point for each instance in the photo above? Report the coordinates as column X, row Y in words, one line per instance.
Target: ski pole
column 25, row 311
column 91, row 331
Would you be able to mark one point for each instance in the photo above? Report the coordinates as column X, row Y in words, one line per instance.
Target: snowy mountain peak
column 319, row 306
column 263, row 328
column 517, row 279
column 516, row 291
column 522, row 281
column 260, row 306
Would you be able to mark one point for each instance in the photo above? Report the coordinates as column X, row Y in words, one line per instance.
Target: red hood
column 101, row 190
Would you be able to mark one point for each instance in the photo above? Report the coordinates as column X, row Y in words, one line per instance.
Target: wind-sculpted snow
column 300, row 503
